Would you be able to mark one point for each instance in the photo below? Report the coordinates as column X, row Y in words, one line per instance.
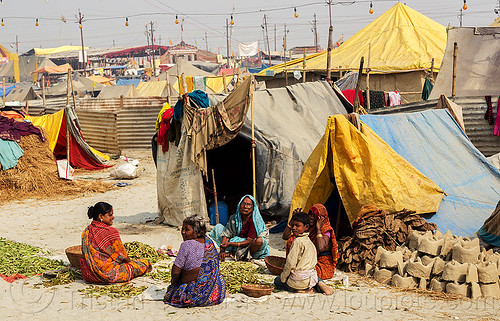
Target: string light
column 465, row 5
column 176, row 20
column 126, row 22
column 296, row 15
column 371, row 8
column 3, row 24
column 232, row 21
column 36, row 22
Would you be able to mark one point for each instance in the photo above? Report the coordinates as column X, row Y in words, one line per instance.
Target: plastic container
column 223, row 213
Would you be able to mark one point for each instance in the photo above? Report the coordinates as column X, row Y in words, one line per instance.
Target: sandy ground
column 56, row 225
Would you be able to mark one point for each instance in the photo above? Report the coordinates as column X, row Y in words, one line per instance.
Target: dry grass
column 36, row 176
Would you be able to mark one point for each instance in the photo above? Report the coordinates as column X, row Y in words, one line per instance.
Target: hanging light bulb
column 296, row 15
column 3, row 24
column 36, row 22
column 126, row 22
column 176, row 20
column 371, row 8
column 232, row 21
column 80, row 26
column 465, row 5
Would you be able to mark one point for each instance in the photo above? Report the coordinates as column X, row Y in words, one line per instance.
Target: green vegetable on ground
column 238, row 273
column 114, row 291
column 137, row 250
column 63, row 277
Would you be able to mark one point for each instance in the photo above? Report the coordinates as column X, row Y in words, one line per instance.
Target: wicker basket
column 257, row 290
column 74, row 254
column 275, row 264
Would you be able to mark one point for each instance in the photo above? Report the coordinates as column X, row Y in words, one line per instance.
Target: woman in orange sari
column 105, row 258
column 322, row 235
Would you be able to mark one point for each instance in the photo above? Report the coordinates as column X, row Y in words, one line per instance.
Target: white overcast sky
column 105, row 20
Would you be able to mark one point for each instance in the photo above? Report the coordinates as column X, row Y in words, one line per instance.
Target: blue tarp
column 7, row 90
column 433, row 142
column 126, row 82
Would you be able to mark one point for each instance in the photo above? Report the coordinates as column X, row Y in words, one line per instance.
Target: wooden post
column 27, row 107
column 168, row 88
column 284, row 56
column 304, row 67
column 329, row 54
column 368, row 78
column 254, row 181
column 432, row 70
column 73, row 92
column 224, row 82
column 454, row 83
column 215, row 197
column 356, row 96
column 3, row 97
column 43, row 90
column 67, row 87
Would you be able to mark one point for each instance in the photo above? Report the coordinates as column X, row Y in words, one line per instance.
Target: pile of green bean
column 161, row 273
column 63, row 277
column 114, row 291
column 23, row 259
column 238, row 273
column 137, row 250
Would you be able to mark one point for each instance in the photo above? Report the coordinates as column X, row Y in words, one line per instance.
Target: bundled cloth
column 373, row 228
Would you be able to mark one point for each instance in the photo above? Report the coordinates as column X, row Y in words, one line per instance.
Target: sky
column 204, row 21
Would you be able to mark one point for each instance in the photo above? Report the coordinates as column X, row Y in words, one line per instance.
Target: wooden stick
column 3, row 97
column 67, row 87
column 454, row 83
column 73, row 91
column 215, row 197
column 168, row 88
column 356, row 96
column 254, row 184
column 43, row 90
column 304, row 67
column 368, row 78
column 27, row 107
column 432, row 70
column 224, row 82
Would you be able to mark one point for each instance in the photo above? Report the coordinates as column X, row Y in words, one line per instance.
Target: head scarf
column 258, row 222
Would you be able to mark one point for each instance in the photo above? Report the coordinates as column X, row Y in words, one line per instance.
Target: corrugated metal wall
column 116, row 124
column 480, row 132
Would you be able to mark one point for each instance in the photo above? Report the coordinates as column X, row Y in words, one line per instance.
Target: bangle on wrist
column 319, row 235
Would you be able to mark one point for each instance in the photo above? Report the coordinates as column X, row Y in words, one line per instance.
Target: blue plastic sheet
column 7, row 91
column 433, row 142
column 126, row 82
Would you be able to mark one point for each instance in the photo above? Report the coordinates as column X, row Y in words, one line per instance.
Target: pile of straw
column 36, row 176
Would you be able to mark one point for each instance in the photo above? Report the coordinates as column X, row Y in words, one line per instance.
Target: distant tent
column 7, row 90
column 434, row 143
column 403, row 44
column 81, row 154
column 118, row 91
column 360, row 168
column 101, row 80
column 478, row 63
column 62, row 69
column 495, row 23
column 7, row 56
column 80, row 84
column 153, row 89
column 21, row 94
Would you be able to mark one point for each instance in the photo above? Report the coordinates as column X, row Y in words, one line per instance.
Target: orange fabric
column 104, row 254
column 54, row 69
column 11, row 114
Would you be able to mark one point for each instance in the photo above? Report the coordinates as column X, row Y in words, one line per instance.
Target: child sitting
column 299, row 273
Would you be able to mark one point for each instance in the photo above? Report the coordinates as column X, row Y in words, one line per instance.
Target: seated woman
column 105, row 258
column 322, row 235
column 196, row 280
column 245, row 232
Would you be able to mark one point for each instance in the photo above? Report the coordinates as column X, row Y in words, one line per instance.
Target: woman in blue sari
column 196, row 280
column 245, row 233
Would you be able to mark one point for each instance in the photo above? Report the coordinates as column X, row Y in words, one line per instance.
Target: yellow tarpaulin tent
column 153, row 88
column 401, row 39
column 365, row 170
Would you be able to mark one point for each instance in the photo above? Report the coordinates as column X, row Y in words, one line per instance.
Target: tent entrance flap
column 232, row 164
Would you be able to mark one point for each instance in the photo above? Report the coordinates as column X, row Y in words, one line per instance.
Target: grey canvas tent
column 21, row 94
column 288, row 122
column 118, row 91
column 478, row 63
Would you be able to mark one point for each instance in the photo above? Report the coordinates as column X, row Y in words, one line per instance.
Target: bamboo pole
column 284, row 56
column 254, row 181
column 73, row 92
column 304, row 67
column 358, row 83
column 168, row 89
column 224, row 82
column 3, row 97
column 215, row 197
column 432, row 70
column 67, row 87
column 454, row 82
column 27, row 110
column 368, row 78
column 43, row 90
